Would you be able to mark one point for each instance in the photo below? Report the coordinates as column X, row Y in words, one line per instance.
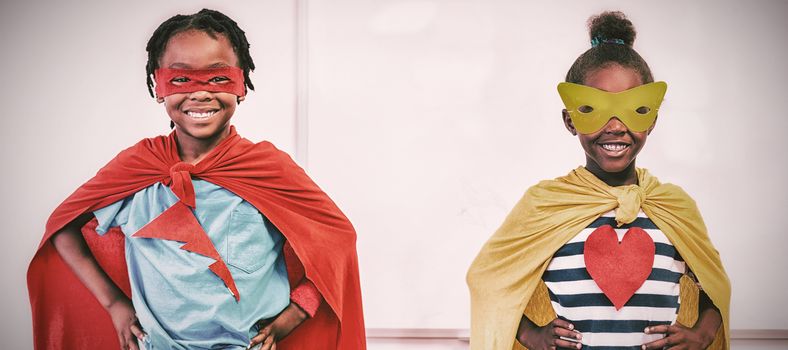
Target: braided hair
column 212, row 23
column 612, row 36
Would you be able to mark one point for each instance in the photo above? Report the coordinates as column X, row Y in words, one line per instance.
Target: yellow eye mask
column 590, row 108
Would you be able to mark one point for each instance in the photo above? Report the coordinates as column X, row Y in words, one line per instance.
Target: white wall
column 429, row 119
column 425, row 121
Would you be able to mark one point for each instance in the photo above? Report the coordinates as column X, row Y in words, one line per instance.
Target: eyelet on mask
column 590, row 109
column 224, row 79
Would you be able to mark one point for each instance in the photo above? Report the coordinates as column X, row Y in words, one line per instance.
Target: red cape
column 321, row 242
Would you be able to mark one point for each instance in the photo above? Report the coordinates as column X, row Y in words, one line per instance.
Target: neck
column 192, row 150
column 628, row 176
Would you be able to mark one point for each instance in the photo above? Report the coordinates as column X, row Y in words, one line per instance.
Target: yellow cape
column 506, row 275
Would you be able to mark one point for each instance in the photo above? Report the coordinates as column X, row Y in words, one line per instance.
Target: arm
column 534, row 337
column 306, row 297
column 699, row 336
column 709, row 319
column 304, row 302
column 72, row 248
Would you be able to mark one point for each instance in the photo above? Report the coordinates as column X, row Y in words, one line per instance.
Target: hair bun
column 608, row 26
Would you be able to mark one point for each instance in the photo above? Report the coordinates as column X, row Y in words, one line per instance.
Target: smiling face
column 200, row 117
column 611, row 151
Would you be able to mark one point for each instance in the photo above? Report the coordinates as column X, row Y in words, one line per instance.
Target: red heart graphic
column 619, row 269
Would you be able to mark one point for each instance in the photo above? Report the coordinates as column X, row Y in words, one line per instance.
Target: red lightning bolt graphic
column 177, row 223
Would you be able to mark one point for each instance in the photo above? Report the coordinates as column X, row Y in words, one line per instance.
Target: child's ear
column 568, row 122
column 650, row 128
column 160, row 99
column 241, row 98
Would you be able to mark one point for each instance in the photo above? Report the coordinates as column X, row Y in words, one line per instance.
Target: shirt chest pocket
column 249, row 242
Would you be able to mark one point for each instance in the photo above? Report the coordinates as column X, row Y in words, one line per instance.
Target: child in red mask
column 208, row 239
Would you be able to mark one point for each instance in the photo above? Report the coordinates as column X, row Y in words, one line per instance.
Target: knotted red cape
column 321, row 241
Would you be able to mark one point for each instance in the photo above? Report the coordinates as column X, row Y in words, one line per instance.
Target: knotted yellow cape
column 506, row 275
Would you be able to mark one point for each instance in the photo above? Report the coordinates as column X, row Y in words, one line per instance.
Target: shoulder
column 266, row 146
column 544, row 195
column 266, row 150
column 568, row 184
column 676, row 195
column 146, row 154
column 148, row 145
column 261, row 160
column 668, row 194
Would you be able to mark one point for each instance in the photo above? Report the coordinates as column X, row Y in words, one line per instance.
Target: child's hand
column 126, row 324
column 290, row 318
column 549, row 336
column 679, row 337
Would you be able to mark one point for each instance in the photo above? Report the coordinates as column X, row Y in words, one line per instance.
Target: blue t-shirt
column 180, row 303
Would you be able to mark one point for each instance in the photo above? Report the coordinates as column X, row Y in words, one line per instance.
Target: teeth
column 613, row 146
column 200, row 115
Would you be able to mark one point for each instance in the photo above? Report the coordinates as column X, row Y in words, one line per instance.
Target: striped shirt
column 578, row 299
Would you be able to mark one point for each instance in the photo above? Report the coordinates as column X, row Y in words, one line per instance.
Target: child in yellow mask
column 603, row 256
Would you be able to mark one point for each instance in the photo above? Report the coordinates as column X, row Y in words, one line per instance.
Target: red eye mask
column 176, row 81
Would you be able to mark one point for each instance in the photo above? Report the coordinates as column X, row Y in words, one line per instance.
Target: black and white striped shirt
column 578, row 299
